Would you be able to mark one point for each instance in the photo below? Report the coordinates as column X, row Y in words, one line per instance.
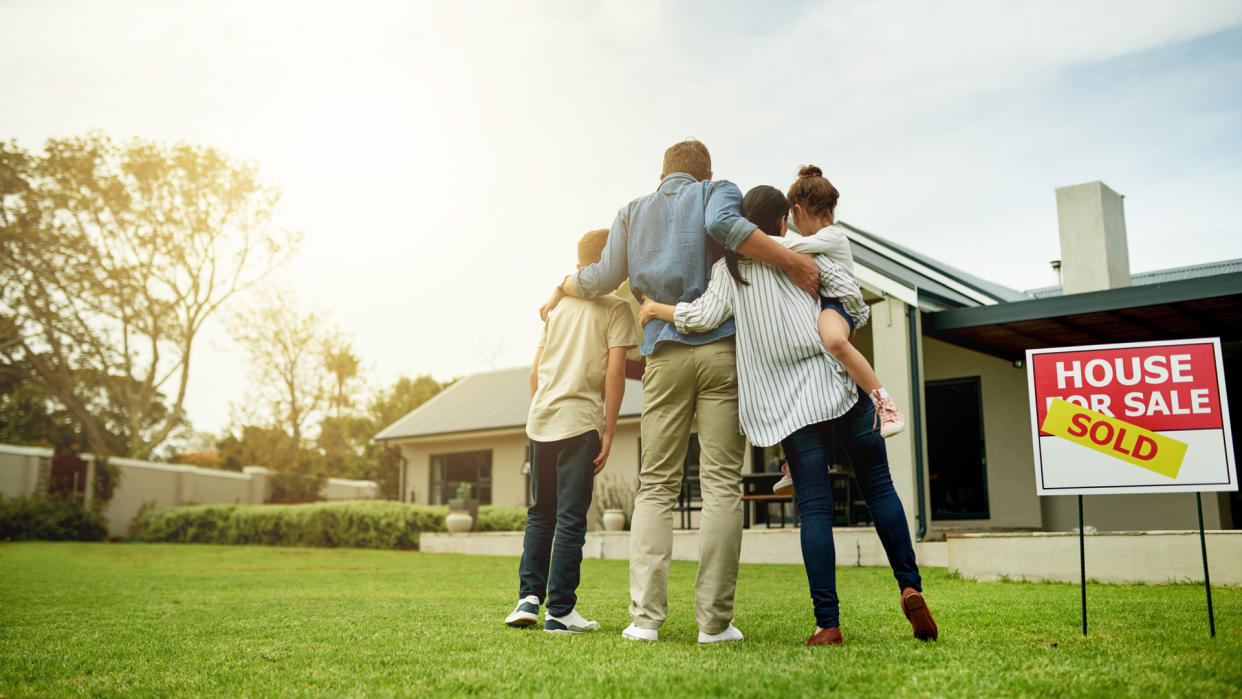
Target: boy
column 576, row 385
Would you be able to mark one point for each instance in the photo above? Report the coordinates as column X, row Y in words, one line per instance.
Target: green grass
column 159, row 619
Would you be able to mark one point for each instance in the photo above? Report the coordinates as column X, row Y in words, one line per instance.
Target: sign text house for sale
column 1130, row 418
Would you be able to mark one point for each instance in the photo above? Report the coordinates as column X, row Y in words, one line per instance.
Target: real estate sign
column 1145, row 417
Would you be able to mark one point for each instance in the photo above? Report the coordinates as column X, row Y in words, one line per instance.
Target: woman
column 790, row 390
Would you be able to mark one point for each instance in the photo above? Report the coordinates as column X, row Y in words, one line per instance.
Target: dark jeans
column 561, row 478
column 808, row 451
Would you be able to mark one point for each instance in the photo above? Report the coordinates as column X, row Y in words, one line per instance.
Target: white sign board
column 1143, row 417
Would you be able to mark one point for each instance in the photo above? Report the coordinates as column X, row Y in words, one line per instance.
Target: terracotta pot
column 614, row 520
column 458, row 522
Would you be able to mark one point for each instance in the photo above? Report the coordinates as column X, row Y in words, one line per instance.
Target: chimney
column 1094, row 255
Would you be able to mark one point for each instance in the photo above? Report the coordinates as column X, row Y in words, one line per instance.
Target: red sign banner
column 1161, row 388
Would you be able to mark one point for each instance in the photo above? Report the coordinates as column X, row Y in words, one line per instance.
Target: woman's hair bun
column 810, row 171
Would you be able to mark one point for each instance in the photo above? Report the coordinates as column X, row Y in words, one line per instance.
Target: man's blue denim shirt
column 660, row 241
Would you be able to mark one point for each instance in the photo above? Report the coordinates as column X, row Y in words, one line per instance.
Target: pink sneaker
column 887, row 415
column 785, row 485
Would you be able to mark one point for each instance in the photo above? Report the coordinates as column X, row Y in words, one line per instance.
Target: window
column 956, row 460
column 451, row 470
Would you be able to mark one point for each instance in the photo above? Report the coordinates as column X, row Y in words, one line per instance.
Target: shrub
column 51, row 518
column 353, row 523
column 493, row 518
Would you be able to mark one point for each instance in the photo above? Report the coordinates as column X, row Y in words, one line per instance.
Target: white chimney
column 1094, row 254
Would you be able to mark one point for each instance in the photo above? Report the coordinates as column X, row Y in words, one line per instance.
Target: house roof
column 935, row 281
column 1173, row 274
column 1205, row 306
column 491, row 400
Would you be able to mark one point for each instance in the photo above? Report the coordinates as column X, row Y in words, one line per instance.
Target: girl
column 814, row 200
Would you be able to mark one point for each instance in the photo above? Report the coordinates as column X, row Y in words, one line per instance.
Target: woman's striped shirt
column 786, row 378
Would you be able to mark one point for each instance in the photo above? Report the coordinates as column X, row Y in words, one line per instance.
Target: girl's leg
column 834, row 330
column 807, row 452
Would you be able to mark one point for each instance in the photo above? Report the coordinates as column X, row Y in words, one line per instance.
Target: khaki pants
column 680, row 383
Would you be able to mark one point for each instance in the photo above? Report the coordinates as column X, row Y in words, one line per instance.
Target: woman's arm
column 705, row 313
column 654, row 310
column 711, row 309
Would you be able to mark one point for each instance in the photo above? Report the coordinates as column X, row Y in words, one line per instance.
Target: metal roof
column 1197, row 307
column 1173, row 274
column 873, row 254
column 489, row 401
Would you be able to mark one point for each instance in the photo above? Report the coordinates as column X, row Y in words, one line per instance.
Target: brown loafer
column 825, row 637
column 915, row 608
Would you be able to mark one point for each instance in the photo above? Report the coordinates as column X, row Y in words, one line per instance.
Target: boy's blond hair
column 591, row 247
column 689, row 156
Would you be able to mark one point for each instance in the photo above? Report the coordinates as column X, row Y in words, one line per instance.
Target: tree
column 385, row 408
column 251, row 445
column 346, row 441
column 111, row 259
column 285, row 347
column 343, row 365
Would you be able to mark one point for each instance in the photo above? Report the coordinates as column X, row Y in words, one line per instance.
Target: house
column 950, row 348
column 474, row 432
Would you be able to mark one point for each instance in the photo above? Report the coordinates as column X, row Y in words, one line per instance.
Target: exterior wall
column 1151, row 557
column 167, row 485
column 1009, row 460
column 19, row 469
column 508, row 455
column 1131, row 512
column 508, row 449
column 856, row 546
column 346, row 489
column 890, row 350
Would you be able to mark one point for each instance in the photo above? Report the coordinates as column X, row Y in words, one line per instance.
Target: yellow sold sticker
column 1117, row 438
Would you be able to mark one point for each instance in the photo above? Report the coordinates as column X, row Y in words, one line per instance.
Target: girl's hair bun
column 810, row 171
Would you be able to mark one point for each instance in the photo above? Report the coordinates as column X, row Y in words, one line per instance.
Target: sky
column 442, row 159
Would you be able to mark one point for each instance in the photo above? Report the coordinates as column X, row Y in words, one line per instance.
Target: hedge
column 382, row 524
column 49, row 518
column 493, row 518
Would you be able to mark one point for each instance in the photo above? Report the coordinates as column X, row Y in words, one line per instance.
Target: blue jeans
column 562, row 476
column 808, row 451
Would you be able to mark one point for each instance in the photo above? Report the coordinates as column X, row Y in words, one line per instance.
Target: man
column 660, row 241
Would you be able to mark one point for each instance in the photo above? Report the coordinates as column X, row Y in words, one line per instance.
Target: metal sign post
column 1082, row 564
column 1207, row 580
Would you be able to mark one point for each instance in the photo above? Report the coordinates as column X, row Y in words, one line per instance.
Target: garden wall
column 23, row 472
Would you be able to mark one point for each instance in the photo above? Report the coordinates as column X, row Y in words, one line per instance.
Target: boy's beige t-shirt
column 570, row 398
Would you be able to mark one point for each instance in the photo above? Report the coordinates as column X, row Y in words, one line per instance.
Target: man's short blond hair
column 689, row 156
column 591, row 247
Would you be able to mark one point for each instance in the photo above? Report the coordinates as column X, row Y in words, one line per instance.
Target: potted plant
column 616, row 499
column 463, row 510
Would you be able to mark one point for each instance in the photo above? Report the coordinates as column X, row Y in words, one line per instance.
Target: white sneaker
column 729, row 634
column 570, row 623
column 634, row 633
column 525, row 614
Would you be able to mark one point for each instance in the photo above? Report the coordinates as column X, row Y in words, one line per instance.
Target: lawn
column 154, row 619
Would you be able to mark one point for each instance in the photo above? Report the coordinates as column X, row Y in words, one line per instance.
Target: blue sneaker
column 525, row 614
column 570, row 623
